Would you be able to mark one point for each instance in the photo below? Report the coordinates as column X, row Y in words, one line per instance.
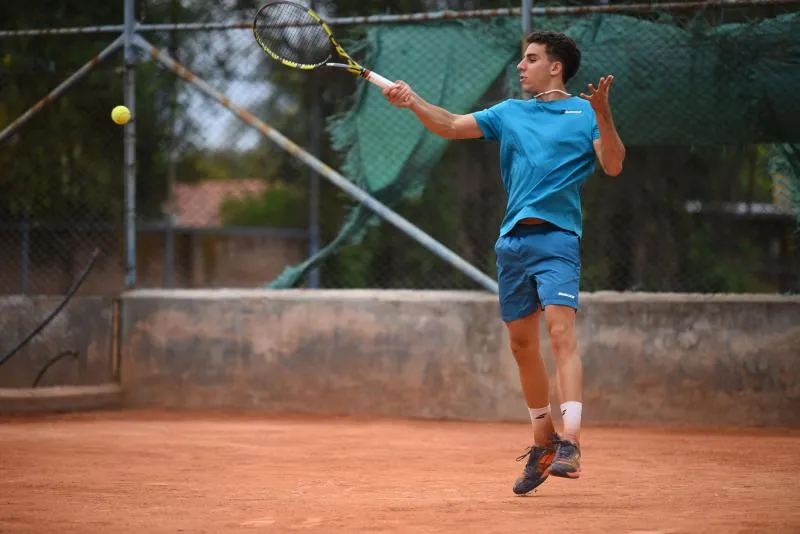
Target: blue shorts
column 537, row 265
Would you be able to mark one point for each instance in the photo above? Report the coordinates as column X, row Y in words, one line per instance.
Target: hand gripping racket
column 297, row 37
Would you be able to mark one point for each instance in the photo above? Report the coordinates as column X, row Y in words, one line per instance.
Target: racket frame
column 351, row 66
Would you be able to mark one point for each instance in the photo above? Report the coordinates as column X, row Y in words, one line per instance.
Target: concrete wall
column 390, row 353
column 84, row 325
column 692, row 358
column 667, row 358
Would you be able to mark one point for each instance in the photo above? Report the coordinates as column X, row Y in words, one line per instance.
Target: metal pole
column 48, row 32
column 315, row 124
column 130, row 149
column 169, row 234
column 525, row 14
column 26, row 245
column 169, row 237
column 314, row 186
column 542, row 11
column 527, row 6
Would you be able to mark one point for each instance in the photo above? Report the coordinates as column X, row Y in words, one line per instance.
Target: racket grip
column 377, row 79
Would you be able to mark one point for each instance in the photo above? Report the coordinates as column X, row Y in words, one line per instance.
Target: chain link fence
column 61, row 173
column 704, row 204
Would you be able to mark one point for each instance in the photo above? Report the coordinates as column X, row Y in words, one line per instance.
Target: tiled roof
column 198, row 204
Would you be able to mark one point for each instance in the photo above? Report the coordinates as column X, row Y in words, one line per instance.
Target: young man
column 548, row 147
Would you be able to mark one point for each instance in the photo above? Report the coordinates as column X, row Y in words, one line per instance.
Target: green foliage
column 387, row 258
column 784, row 167
column 710, row 270
column 280, row 206
column 355, row 267
column 225, row 164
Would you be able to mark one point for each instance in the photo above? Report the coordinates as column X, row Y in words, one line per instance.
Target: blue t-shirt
column 546, row 154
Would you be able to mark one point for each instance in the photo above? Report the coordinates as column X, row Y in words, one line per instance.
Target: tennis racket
column 297, row 37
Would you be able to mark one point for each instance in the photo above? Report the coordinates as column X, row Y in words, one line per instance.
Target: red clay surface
column 154, row 472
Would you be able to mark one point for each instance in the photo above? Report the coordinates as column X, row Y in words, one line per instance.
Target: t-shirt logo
column 573, row 111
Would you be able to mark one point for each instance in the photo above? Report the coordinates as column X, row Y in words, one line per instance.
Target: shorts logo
column 573, row 111
column 566, row 295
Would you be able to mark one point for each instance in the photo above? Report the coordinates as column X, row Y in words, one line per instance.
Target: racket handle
column 377, row 79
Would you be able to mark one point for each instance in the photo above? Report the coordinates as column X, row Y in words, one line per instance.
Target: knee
column 562, row 338
column 523, row 336
column 521, row 343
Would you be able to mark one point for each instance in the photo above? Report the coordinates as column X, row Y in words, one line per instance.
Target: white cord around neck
column 552, row 91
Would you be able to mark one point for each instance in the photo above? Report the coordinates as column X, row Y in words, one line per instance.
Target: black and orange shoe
column 567, row 462
column 536, row 469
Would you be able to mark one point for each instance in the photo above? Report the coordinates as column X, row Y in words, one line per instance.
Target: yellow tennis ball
column 120, row 115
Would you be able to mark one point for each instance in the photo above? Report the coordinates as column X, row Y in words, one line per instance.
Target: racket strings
column 288, row 31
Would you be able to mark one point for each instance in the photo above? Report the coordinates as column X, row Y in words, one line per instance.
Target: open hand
column 400, row 95
column 598, row 98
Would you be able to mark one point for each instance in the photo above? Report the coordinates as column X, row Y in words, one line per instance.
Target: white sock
column 571, row 412
column 541, row 424
column 538, row 415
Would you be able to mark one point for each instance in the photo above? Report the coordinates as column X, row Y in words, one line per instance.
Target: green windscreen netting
column 712, row 85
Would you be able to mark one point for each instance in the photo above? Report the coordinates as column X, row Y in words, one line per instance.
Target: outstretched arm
column 437, row 120
column 609, row 148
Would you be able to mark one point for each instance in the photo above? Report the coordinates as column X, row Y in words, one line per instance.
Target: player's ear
column 556, row 68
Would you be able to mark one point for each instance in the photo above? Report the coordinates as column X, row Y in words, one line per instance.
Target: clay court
column 137, row 471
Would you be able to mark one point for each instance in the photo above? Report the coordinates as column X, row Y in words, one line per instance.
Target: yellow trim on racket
column 283, row 61
column 354, row 67
column 350, row 65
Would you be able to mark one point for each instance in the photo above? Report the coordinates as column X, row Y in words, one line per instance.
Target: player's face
column 536, row 70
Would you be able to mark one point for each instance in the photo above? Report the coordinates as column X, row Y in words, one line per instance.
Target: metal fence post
column 169, row 219
column 525, row 14
column 315, row 127
column 130, row 149
column 314, row 184
column 25, row 253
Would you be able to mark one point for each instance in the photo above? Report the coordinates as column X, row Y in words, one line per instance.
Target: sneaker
column 567, row 463
column 536, row 469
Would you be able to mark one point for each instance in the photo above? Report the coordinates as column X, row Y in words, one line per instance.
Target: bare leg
column 561, row 329
column 524, row 338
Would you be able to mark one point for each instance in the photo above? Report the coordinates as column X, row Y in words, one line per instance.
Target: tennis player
column 548, row 148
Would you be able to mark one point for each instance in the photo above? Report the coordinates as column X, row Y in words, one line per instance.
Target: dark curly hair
column 561, row 48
